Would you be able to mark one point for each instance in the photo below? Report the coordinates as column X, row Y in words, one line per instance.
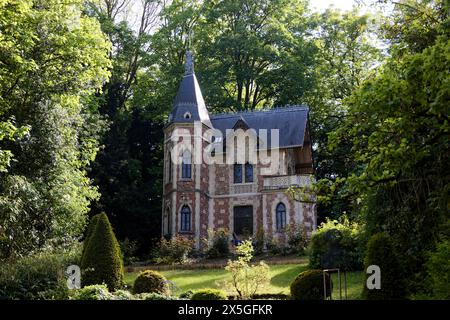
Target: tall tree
column 398, row 127
column 347, row 52
column 250, row 53
column 127, row 170
column 52, row 59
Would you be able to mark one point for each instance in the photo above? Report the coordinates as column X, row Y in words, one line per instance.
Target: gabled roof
column 291, row 122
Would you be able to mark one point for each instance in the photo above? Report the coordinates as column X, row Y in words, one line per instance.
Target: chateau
column 252, row 159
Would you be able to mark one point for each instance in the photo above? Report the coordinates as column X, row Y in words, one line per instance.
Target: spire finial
column 189, row 66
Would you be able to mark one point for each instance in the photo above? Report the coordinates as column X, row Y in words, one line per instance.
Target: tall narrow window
column 281, row 216
column 170, row 168
column 238, row 173
column 248, row 172
column 186, row 165
column 185, row 218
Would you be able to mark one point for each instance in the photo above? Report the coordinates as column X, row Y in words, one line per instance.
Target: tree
column 346, row 55
column 398, row 127
column 250, row 53
column 128, row 168
column 53, row 59
column 102, row 258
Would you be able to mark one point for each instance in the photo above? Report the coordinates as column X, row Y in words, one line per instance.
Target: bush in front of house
column 39, row 276
column 150, row 281
column 220, row 244
column 102, row 259
column 337, row 245
column 186, row 295
column 173, row 251
column 154, row 296
column 380, row 252
column 308, row 285
column 92, row 292
column 438, row 269
column 209, row 294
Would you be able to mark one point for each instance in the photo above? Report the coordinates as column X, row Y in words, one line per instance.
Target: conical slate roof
column 189, row 105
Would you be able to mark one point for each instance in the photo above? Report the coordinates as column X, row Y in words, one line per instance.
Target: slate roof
column 291, row 122
column 189, row 99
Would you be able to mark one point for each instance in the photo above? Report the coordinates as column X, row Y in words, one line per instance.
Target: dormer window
column 187, row 115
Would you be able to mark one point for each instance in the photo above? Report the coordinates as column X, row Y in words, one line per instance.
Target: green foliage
column 246, row 279
column 397, row 127
column 154, row 296
column 54, row 58
column 129, row 248
column 102, row 258
column 337, row 245
column 438, row 271
column 92, row 292
column 380, row 252
column 38, row 276
column 209, row 294
column 173, row 251
column 186, row 295
column 308, row 285
column 220, row 244
column 150, row 281
column 90, row 231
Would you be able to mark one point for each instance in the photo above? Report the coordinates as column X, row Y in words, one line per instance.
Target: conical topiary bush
column 89, row 232
column 102, row 258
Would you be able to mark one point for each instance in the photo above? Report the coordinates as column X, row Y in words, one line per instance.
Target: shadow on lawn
column 284, row 278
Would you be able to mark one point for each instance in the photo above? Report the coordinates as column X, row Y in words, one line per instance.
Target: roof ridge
column 263, row 110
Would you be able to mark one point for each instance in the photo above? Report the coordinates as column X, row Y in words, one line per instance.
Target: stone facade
column 210, row 195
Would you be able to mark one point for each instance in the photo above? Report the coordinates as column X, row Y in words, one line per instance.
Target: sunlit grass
column 281, row 277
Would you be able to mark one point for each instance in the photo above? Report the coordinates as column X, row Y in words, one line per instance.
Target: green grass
column 281, row 277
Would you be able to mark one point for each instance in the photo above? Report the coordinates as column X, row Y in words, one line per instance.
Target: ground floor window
column 185, row 218
column 243, row 220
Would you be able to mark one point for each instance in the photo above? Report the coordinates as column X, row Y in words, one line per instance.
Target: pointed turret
column 189, row 105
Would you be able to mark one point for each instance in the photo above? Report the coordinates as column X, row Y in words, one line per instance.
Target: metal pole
column 340, row 288
column 345, row 284
column 324, row 286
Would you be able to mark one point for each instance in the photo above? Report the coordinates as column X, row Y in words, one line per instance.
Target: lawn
column 281, row 277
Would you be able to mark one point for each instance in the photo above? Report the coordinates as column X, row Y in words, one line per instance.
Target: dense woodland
column 86, row 86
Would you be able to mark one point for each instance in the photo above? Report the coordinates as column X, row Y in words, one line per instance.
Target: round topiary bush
column 150, row 281
column 209, row 294
column 380, row 252
column 308, row 285
column 102, row 259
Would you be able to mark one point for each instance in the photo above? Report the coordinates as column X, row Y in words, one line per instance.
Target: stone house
column 232, row 170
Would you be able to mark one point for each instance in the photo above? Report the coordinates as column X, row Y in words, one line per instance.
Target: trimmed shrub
column 337, row 245
column 438, row 268
column 123, row 295
column 186, row 295
column 220, row 247
column 150, row 281
column 209, row 294
column 154, row 296
column 173, row 251
column 94, row 292
column 90, row 230
column 102, row 259
column 39, row 276
column 308, row 285
column 380, row 252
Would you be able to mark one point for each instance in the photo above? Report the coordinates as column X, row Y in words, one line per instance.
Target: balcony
column 284, row 182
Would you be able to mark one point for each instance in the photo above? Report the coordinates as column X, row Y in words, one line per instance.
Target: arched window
column 248, row 172
column 281, row 216
column 185, row 218
column 186, row 165
column 170, row 167
column 238, row 173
